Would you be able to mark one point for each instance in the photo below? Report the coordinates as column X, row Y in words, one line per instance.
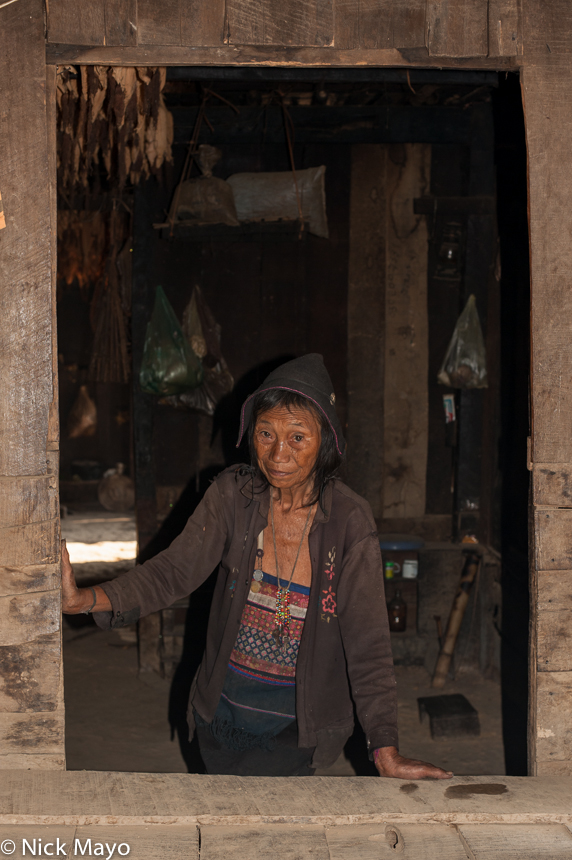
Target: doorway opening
column 417, row 183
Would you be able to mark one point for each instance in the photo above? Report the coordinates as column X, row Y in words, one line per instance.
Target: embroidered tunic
column 259, row 694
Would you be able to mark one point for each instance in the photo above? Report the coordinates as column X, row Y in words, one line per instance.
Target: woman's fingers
column 70, row 590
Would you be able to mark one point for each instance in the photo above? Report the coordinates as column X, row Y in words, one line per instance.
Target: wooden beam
column 145, row 800
column 231, row 55
column 318, row 124
column 366, row 320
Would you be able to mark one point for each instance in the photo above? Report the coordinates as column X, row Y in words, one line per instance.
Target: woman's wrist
column 84, row 601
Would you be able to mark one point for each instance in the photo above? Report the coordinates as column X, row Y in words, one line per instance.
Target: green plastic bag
column 169, row 364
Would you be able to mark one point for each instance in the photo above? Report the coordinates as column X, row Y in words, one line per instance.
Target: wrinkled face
column 287, row 441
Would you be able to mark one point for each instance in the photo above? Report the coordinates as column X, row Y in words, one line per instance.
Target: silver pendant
column 258, row 575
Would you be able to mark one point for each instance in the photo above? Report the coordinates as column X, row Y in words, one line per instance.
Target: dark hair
column 328, row 460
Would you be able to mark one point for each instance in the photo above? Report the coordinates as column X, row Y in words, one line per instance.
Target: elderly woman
column 298, row 627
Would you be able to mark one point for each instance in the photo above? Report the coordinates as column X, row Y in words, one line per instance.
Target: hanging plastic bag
column 465, row 364
column 169, row 365
column 203, row 333
column 82, row 420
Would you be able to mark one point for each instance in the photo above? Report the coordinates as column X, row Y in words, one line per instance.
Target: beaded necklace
column 281, row 631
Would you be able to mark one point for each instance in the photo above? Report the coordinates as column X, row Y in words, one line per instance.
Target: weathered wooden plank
column 148, row 798
column 28, row 500
column 120, row 22
column 76, row 23
column 504, row 28
column 299, row 22
column 517, row 841
column 52, row 455
column 554, row 641
column 552, row 484
column 25, row 617
column 38, row 733
column 376, row 23
column 37, row 543
column 15, row 761
column 245, row 22
column 146, row 843
column 30, row 674
column 546, row 77
column 346, row 24
column 25, row 265
column 554, row 590
column 557, row 768
column 406, row 334
column 366, row 315
column 409, row 27
column 553, row 545
column 457, row 28
column 369, row 24
column 36, row 577
column 408, row 841
column 159, row 23
column 554, row 705
column 296, row 842
column 202, row 23
column 263, row 55
column 292, row 22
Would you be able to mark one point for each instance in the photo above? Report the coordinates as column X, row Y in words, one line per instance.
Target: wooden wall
column 432, row 28
column 546, row 79
column 31, row 694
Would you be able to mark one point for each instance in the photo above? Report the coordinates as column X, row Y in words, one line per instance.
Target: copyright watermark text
column 57, row 848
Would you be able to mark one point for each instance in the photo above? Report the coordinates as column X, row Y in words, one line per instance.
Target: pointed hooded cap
column 306, row 376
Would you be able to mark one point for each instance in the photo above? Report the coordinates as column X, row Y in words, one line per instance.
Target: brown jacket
column 345, row 642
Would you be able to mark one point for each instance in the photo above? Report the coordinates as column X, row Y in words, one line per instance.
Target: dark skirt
column 282, row 757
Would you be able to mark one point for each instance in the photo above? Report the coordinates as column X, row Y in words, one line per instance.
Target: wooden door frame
column 300, row 58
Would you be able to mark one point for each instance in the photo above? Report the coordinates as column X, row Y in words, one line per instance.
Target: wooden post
column 31, row 689
column 366, row 319
column 546, row 80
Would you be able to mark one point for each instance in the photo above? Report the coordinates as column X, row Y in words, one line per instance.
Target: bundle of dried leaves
column 113, row 118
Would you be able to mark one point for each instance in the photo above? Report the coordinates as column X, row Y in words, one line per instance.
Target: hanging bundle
column 207, row 199
column 115, row 116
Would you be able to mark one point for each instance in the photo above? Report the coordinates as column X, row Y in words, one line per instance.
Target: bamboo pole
column 460, row 602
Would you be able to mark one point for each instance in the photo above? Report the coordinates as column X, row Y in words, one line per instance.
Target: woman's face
column 287, row 441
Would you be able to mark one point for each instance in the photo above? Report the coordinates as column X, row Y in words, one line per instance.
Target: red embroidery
column 329, row 601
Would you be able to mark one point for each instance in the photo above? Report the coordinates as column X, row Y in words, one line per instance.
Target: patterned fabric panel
column 256, row 653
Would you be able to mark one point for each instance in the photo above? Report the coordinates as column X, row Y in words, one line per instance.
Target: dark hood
column 306, row 376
